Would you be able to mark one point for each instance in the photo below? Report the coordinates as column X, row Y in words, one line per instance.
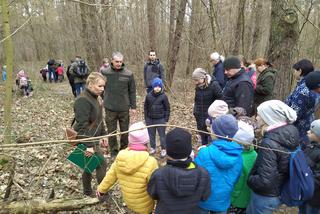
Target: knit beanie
column 139, row 136
column 275, row 112
column 313, row 80
column 215, row 56
column 315, row 127
column 178, row 143
column 217, row 108
column 245, row 134
column 231, row 62
column 225, row 125
column 199, row 73
column 157, row 82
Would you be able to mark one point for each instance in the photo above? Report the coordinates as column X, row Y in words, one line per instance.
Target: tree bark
column 257, row 27
column 9, row 62
column 174, row 49
column 239, row 30
column 284, row 35
column 42, row 206
column 151, row 13
column 212, row 17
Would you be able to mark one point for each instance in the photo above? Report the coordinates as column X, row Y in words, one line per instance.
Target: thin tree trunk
column 9, row 62
column 239, row 30
column 256, row 36
column 174, row 49
column 212, row 17
column 151, row 13
column 172, row 17
column 284, row 35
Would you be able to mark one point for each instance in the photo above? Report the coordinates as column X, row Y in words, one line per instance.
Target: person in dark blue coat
column 218, row 71
column 207, row 91
column 157, row 111
column 223, row 160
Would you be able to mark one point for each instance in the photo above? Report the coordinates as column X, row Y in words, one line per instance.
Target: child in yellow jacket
column 132, row 168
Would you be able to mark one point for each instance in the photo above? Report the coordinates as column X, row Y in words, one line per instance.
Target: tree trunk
column 42, row 206
column 151, row 13
column 257, row 27
column 172, row 18
column 284, row 35
column 239, row 30
column 9, row 62
column 174, row 49
column 212, row 17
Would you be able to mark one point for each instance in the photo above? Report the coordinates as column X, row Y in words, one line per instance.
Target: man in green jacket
column 119, row 100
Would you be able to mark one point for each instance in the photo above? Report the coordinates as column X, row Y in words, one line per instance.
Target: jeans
column 112, row 118
column 79, row 88
column 152, row 132
column 307, row 209
column 52, row 74
column 262, row 204
column 211, row 212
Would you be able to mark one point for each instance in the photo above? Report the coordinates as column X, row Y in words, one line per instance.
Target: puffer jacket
column 312, row 154
column 178, row 190
column 156, row 106
column 88, row 116
column 265, row 86
column 133, row 170
column 271, row 168
column 222, row 159
column 218, row 73
column 205, row 96
column 152, row 69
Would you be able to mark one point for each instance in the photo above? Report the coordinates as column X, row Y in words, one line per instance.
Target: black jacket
column 178, row 190
column 312, row 153
column 156, row 106
column 205, row 96
column 239, row 91
column 271, row 168
column 152, row 70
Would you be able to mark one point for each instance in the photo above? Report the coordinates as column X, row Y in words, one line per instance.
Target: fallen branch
column 42, row 206
column 8, row 164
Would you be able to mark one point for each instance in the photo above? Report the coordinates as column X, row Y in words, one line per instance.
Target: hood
column 129, row 161
column 182, row 182
column 209, row 78
column 268, row 70
column 287, row 136
column 224, row 154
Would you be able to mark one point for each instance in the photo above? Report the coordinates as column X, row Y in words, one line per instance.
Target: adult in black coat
column 271, row 168
column 207, row 91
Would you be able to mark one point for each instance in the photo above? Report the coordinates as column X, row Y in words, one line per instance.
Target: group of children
column 23, row 82
column 227, row 175
column 53, row 71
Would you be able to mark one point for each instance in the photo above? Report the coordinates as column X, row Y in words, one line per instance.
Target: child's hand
column 89, row 152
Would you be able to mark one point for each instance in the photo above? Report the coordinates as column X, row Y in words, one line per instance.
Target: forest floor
column 40, row 170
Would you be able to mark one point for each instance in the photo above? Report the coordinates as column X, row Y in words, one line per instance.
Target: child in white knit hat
column 217, row 108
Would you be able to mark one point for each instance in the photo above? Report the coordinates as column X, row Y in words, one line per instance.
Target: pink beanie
column 140, row 136
column 218, row 108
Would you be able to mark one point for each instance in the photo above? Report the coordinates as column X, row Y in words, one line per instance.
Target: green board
column 88, row 164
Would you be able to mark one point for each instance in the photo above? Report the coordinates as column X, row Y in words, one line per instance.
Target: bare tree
column 9, row 61
column 151, row 9
column 256, row 29
column 238, row 38
column 284, row 35
column 174, row 49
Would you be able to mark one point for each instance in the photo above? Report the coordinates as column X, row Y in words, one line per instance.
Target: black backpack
column 82, row 69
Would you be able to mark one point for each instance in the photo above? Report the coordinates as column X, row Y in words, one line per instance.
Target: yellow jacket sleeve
column 108, row 180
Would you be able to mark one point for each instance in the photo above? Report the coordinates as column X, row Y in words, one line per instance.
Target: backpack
column 300, row 185
column 82, row 69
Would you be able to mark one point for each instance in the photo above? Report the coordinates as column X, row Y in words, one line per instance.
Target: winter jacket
column 73, row 69
column 88, row 116
column 218, row 73
column 120, row 91
column 240, row 196
column 222, row 159
column 271, row 168
column 303, row 101
column 132, row 169
column 205, row 96
column 178, row 190
column 312, row 154
column 265, row 86
column 253, row 76
column 59, row 70
column 156, row 106
column 152, row 69
column 238, row 92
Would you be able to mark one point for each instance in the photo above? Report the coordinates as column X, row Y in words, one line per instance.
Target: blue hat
column 157, row 82
column 225, row 125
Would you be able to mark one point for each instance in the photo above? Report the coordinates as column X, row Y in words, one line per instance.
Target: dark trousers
column 112, row 117
column 201, row 125
column 152, row 132
column 100, row 173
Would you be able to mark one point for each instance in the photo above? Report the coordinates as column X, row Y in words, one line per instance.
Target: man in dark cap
column 238, row 91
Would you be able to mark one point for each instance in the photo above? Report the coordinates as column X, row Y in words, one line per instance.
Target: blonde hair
column 94, row 77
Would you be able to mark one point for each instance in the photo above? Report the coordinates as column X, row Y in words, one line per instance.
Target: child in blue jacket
column 222, row 159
